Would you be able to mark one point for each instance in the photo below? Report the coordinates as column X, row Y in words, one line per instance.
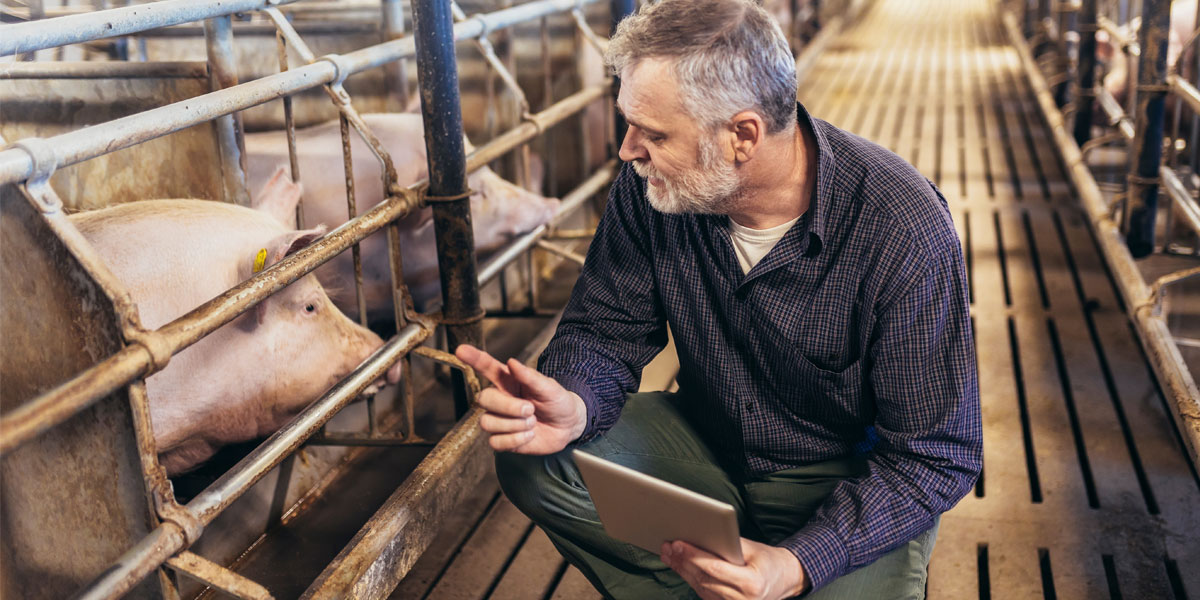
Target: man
column 815, row 287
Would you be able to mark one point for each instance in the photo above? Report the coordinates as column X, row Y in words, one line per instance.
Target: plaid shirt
column 852, row 335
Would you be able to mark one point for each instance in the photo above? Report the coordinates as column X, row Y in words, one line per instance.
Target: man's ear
column 749, row 131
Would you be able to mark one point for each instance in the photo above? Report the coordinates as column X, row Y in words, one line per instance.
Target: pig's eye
column 310, row 308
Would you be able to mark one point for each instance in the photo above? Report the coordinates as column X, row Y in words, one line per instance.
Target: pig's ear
column 279, row 197
column 275, row 251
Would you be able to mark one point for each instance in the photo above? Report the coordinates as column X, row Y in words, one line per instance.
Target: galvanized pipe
column 73, row 29
column 76, row 146
column 1086, row 76
column 1185, row 91
column 1116, row 115
column 395, row 73
column 1172, row 373
column 104, row 70
column 535, row 124
column 222, row 66
column 1184, row 203
column 153, row 352
column 1141, row 197
column 442, row 114
column 167, row 539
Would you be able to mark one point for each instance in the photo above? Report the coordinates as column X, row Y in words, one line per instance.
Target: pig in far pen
column 195, row 195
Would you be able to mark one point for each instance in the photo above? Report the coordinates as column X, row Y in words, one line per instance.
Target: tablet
column 646, row 511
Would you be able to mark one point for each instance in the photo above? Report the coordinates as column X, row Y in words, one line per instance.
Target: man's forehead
column 647, row 87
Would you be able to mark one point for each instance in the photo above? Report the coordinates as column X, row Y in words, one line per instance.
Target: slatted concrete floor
column 1086, row 491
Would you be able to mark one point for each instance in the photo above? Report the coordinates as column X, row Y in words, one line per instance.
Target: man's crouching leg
column 652, row 437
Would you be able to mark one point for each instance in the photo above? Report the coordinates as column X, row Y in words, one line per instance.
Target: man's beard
column 706, row 189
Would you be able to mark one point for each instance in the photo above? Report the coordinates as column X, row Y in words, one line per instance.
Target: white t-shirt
column 750, row 245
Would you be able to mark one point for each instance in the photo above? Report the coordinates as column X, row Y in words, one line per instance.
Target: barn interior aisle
column 1087, row 491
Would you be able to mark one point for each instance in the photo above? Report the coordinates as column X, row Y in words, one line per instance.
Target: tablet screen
column 646, row 511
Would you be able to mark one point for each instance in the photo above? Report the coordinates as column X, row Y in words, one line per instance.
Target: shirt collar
column 819, row 204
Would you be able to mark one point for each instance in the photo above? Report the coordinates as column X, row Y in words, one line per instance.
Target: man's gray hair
column 730, row 56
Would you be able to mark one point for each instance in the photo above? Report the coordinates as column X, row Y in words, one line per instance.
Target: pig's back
column 173, row 255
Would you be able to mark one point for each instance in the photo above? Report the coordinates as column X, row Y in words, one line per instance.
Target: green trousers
column 654, row 437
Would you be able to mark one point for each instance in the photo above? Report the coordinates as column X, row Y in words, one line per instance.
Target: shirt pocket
column 830, row 398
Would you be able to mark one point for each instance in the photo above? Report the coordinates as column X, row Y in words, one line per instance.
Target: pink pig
column 499, row 209
column 249, row 377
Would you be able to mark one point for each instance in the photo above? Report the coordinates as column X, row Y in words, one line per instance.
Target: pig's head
column 501, row 210
column 309, row 343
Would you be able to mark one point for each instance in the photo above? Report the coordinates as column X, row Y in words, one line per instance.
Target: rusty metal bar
column 73, row 29
column 383, row 551
column 1116, row 115
column 222, row 66
column 570, row 203
column 1172, row 373
column 169, row 538
column 76, row 146
column 566, row 253
column 104, row 70
column 1141, row 196
column 156, row 348
column 210, row 573
column 442, row 114
column 1184, row 203
column 289, row 125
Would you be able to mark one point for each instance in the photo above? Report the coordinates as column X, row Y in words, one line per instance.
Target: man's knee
column 534, row 483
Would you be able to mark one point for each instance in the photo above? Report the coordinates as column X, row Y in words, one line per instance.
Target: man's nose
column 631, row 147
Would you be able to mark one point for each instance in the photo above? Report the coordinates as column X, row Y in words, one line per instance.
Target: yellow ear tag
column 260, row 260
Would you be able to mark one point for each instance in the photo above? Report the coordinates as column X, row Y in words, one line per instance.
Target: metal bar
column 1185, row 91
column 156, row 348
column 210, row 573
column 76, row 146
column 396, row 74
column 534, row 125
column 104, row 70
column 289, row 126
column 384, row 550
column 1184, row 203
column 73, row 29
column 574, row 257
column 1175, row 379
column 442, row 115
column 1116, row 115
column 222, row 65
column 1141, row 198
column 1086, row 75
column 168, row 539
column 570, row 203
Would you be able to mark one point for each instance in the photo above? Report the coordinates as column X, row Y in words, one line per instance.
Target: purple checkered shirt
column 852, row 335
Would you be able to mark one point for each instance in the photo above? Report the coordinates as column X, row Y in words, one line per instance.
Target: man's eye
column 656, row 139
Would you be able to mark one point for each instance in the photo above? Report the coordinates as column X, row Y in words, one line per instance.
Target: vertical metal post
column 441, row 110
column 222, row 68
column 619, row 10
column 395, row 72
column 1086, row 77
column 1194, row 138
column 1031, row 11
column 1142, row 196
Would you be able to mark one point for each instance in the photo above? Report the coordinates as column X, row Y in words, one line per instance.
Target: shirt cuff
column 577, row 384
column 821, row 553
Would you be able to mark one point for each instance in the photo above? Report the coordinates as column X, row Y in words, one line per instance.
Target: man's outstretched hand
column 527, row 412
column 769, row 573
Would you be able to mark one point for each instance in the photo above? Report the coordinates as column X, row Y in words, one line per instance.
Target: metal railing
column 1126, row 228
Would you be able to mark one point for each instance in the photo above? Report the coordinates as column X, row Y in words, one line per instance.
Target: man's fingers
column 537, row 384
column 492, row 423
column 510, row 442
column 503, row 404
column 487, row 365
